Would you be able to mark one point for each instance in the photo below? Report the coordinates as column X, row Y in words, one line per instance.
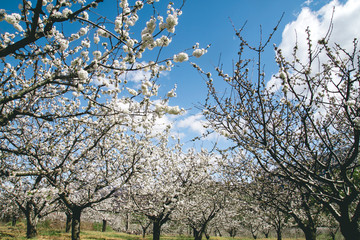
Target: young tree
column 33, row 197
column 163, row 180
column 288, row 200
column 306, row 126
column 251, row 210
column 8, row 210
column 143, row 221
column 274, row 218
column 202, row 204
column 92, row 173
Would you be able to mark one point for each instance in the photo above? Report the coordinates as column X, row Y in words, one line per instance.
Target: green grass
column 54, row 231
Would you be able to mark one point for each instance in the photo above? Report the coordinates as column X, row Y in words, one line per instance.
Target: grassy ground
column 54, row 232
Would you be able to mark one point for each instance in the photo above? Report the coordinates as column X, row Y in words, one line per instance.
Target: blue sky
column 207, row 22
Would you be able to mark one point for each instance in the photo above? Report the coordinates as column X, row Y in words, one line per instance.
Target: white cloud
column 346, row 22
column 345, row 19
column 194, row 126
column 162, row 123
column 137, row 76
column 195, row 123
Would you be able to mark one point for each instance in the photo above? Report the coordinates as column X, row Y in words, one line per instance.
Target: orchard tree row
column 77, row 135
column 173, row 188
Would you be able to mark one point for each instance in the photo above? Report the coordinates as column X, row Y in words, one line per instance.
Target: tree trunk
column 143, row 232
column 233, row 232
column 103, row 225
column 126, row 222
column 197, row 234
column 350, row 231
column 308, row 228
column 144, row 229
column 68, row 221
column 309, row 231
column 156, row 229
column 218, row 231
column 310, row 234
column 75, row 224
column 13, row 220
column 31, row 230
column 253, row 232
column 278, row 234
column 207, row 235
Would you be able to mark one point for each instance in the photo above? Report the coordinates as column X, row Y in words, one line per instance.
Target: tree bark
column 156, row 229
column 197, row 234
column 75, row 224
column 253, row 232
column 310, row 234
column 308, row 227
column 126, row 222
column 143, row 232
column 31, row 230
column 232, row 232
column 350, row 230
column 158, row 221
column 31, row 219
column 278, row 234
column 68, row 221
column 144, row 229
column 103, row 225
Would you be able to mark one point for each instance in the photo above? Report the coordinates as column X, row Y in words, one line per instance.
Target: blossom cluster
column 13, row 19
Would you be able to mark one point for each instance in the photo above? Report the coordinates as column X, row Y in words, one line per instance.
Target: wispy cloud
column 307, row 2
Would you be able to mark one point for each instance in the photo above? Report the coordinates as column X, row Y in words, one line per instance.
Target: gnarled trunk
column 31, row 223
column 218, row 232
column 309, row 231
column 31, row 215
column 158, row 221
column 75, row 224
